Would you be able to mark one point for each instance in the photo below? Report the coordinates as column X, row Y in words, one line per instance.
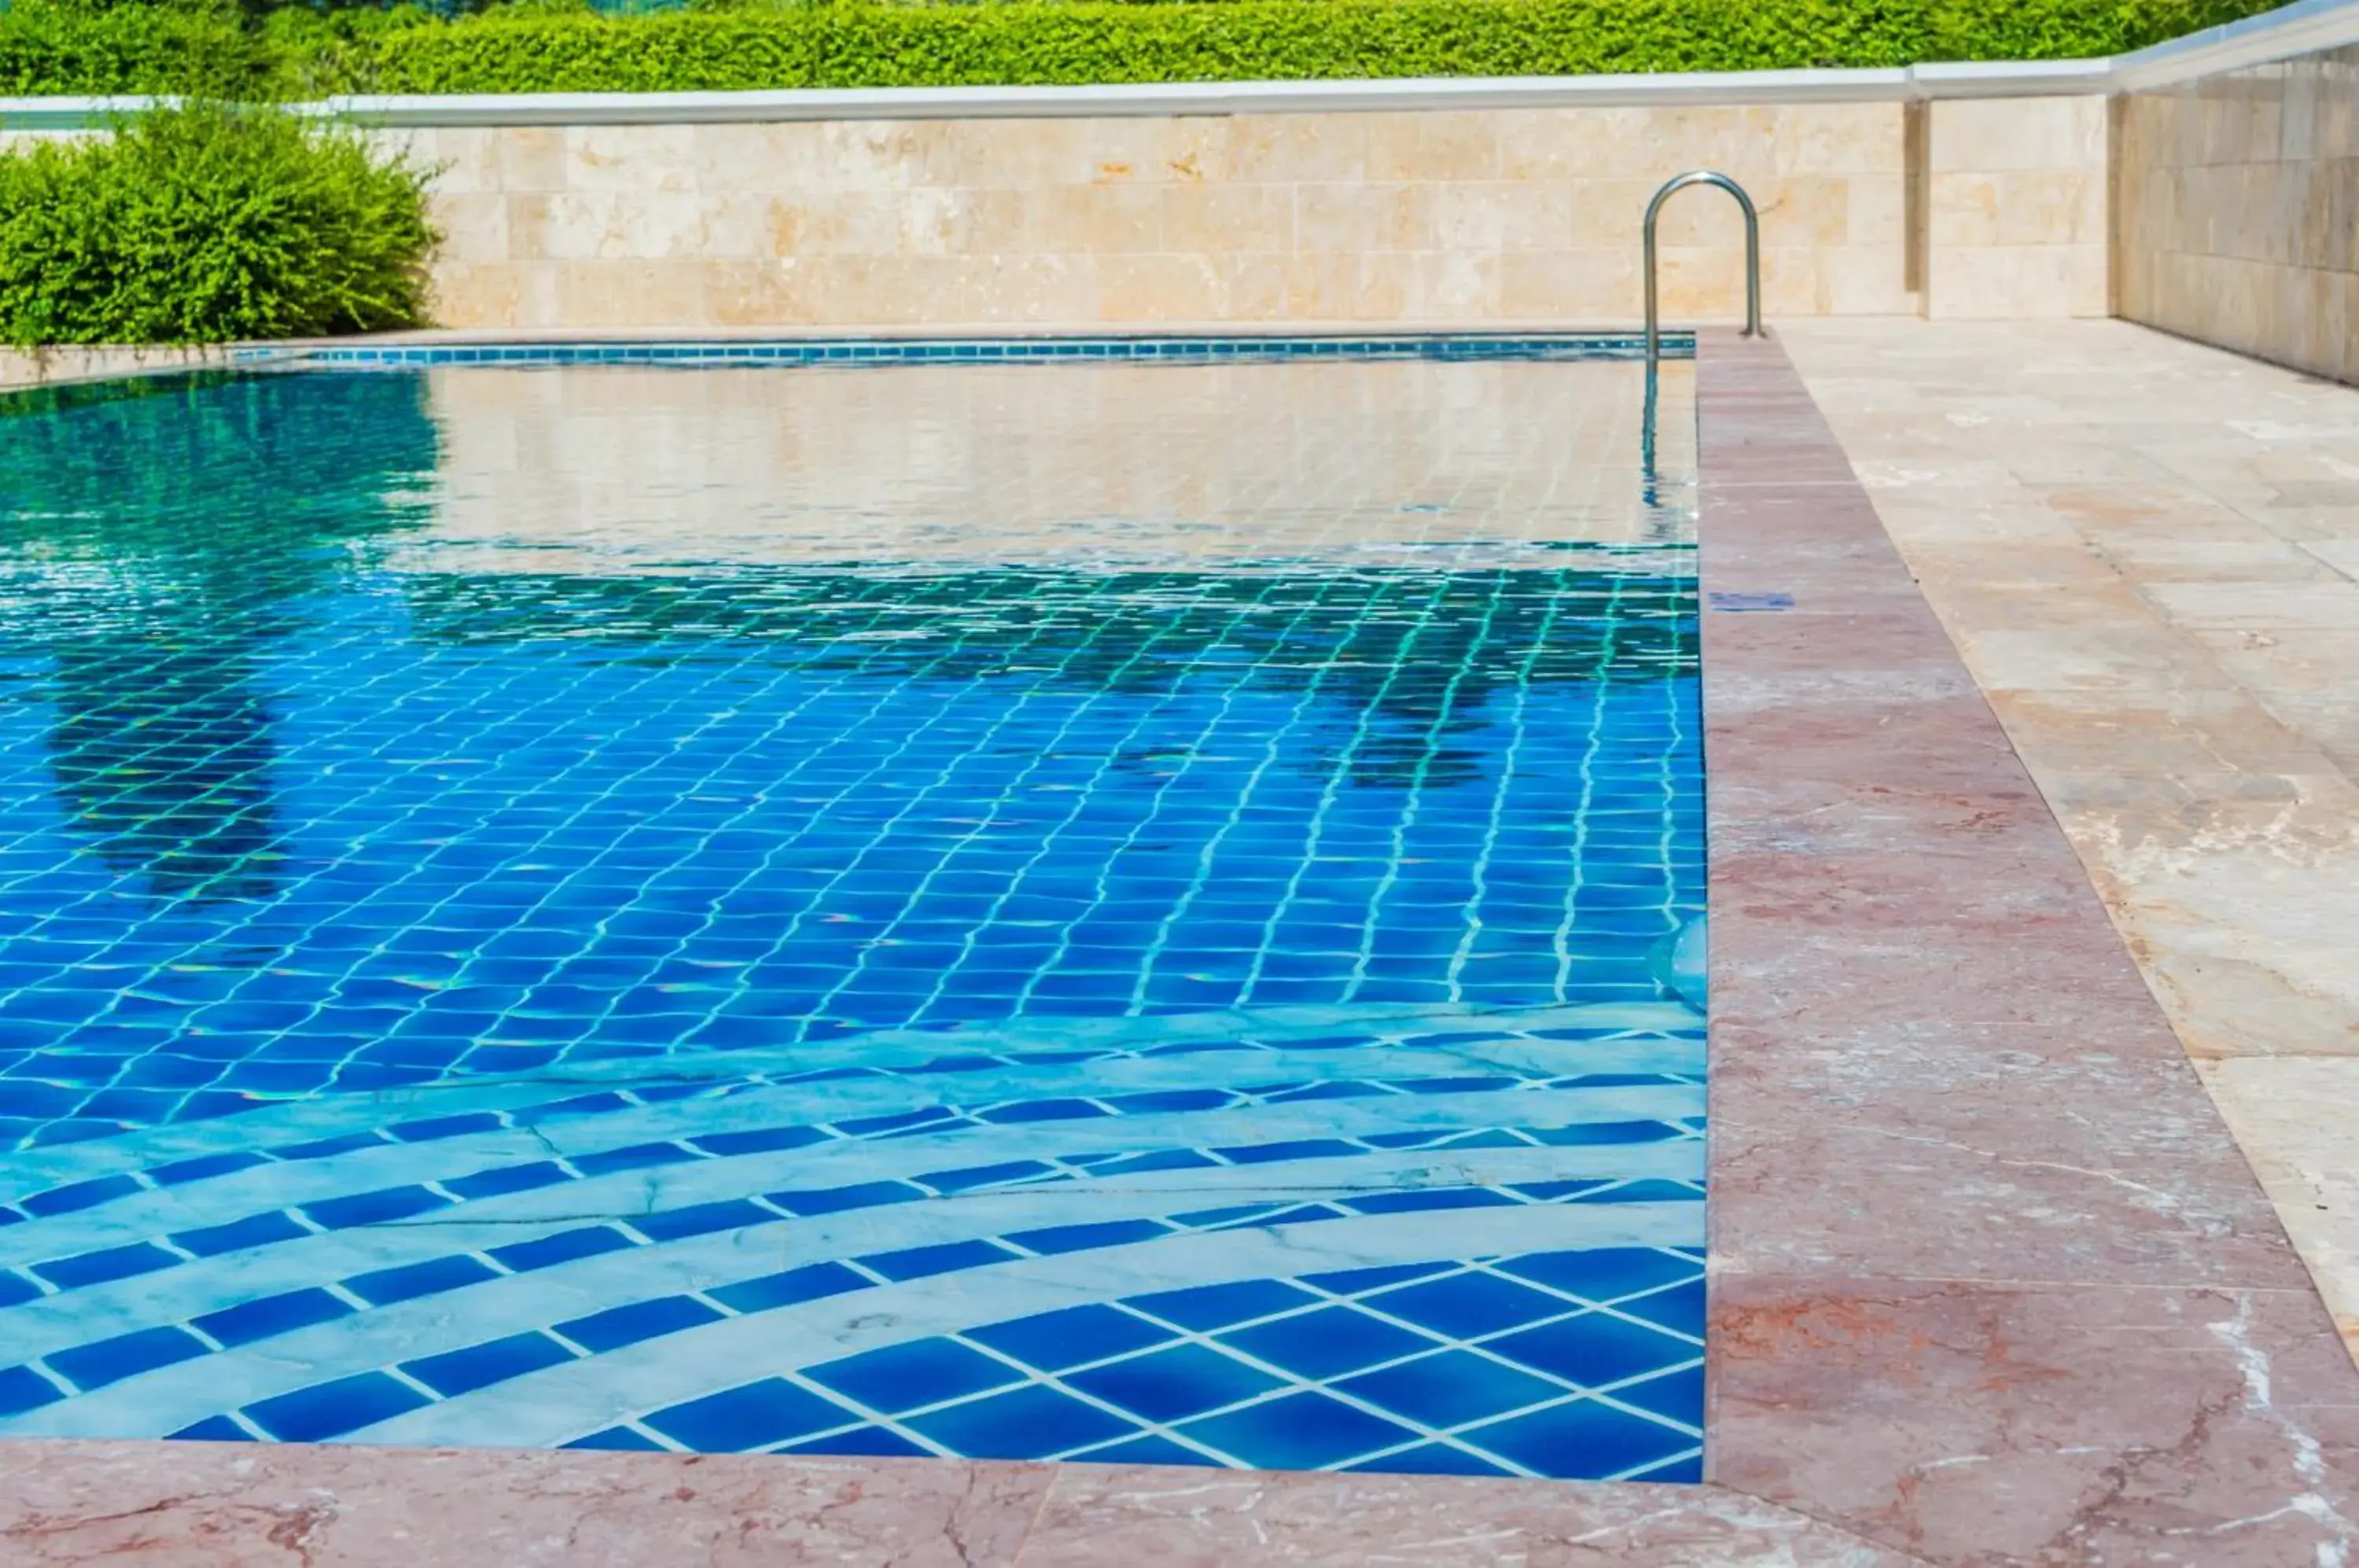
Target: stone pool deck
column 2147, row 551
column 1994, row 1284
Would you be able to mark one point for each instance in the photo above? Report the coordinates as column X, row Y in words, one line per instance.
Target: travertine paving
column 2148, row 554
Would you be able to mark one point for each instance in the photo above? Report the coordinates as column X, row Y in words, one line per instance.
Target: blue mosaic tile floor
column 492, row 956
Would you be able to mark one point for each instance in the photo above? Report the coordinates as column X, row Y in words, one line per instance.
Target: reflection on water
column 1377, row 465
column 163, row 753
column 375, row 758
column 154, row 531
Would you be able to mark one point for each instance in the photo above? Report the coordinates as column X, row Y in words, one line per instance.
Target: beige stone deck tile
column 1929, row 523
column 2341, row 554
column 2244, row 550
column 2294, row 1119
column 2220, row 729
column 2231, row 604
column 2013, row 564
column 2237, row 893
column 2015, row 639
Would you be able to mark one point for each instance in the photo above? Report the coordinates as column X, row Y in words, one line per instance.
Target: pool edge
column 1990, row 1279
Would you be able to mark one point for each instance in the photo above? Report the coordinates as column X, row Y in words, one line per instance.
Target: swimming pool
column 1095, row 910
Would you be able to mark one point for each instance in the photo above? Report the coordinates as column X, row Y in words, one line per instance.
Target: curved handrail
column 1654, row 314
column 1751, row 252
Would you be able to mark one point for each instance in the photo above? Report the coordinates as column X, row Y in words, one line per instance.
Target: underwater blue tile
column 479, row 1366
column 618, row 1326
column 1080, row 1237
column 1218, row 1306
column 445, row 1126
column 1052, row 1342
column 1595, row 1349
column 326, row 1148
column 97, row 1268
column 1319, row 1345
column 619, row 1438
column 125, row 1355
column 546, row 1252
column 1231, row 1214
column 1299, row 1431
column 1145, row 1451
column 22, row 1388
column 1432, row 1459
column 1169, row 1384
column 1032, row 1423
column 1679, row 1308
column 507, row 1179
column 332, row 1410
column 37, row 1102
column 701, row 1219
column 1645, row 1192
column 1605, row 1274
column 790, row 1287
column 760, row 1141
column 904, row 1376
column 381, row 1207
column 79, row 1195
column 754, row 1416
column 1449, row 1388
column 866, row 1442
column 905, row 1121
column 1428, row 1198
column 213, row 1429
column 142, row 1107
column 1157, row 1160
column 385, row 1286
column 916, row 1262
column 250, row 1321
column 833, row 1200
column 1579, row 1439
column 947, row 1182
column 1675, row 1396
column 1464, row 1306
column 1298, row 1149
column 1589, row 1134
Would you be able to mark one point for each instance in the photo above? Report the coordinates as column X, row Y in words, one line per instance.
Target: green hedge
column 863, row 43
column 59, row 48
column 204, row 223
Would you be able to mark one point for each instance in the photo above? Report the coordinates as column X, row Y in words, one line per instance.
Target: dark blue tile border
column 1154, row 348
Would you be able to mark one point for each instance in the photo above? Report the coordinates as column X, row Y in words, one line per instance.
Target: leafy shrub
column 206, row 224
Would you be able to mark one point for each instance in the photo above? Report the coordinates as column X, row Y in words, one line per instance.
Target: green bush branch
column 208, row 224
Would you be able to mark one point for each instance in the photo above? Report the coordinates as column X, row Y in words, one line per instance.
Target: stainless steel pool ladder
column 1654, row 309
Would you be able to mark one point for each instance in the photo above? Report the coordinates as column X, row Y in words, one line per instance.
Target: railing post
column 1654, row 314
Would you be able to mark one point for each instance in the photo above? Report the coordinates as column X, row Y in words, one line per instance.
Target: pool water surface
column 1081, row 911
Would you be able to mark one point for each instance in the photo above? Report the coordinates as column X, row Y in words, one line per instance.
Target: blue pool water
column 777, row 949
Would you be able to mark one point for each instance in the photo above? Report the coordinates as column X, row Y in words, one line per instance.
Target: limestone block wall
column 2015, row 203
column 2238, row 199
column 1506, row 215
column 1518, row 214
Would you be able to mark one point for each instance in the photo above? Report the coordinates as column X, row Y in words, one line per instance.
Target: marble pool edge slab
column 1991, row 1282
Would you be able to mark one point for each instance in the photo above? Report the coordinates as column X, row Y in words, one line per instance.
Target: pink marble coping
column 246, row 1506
column 1991, row 1282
